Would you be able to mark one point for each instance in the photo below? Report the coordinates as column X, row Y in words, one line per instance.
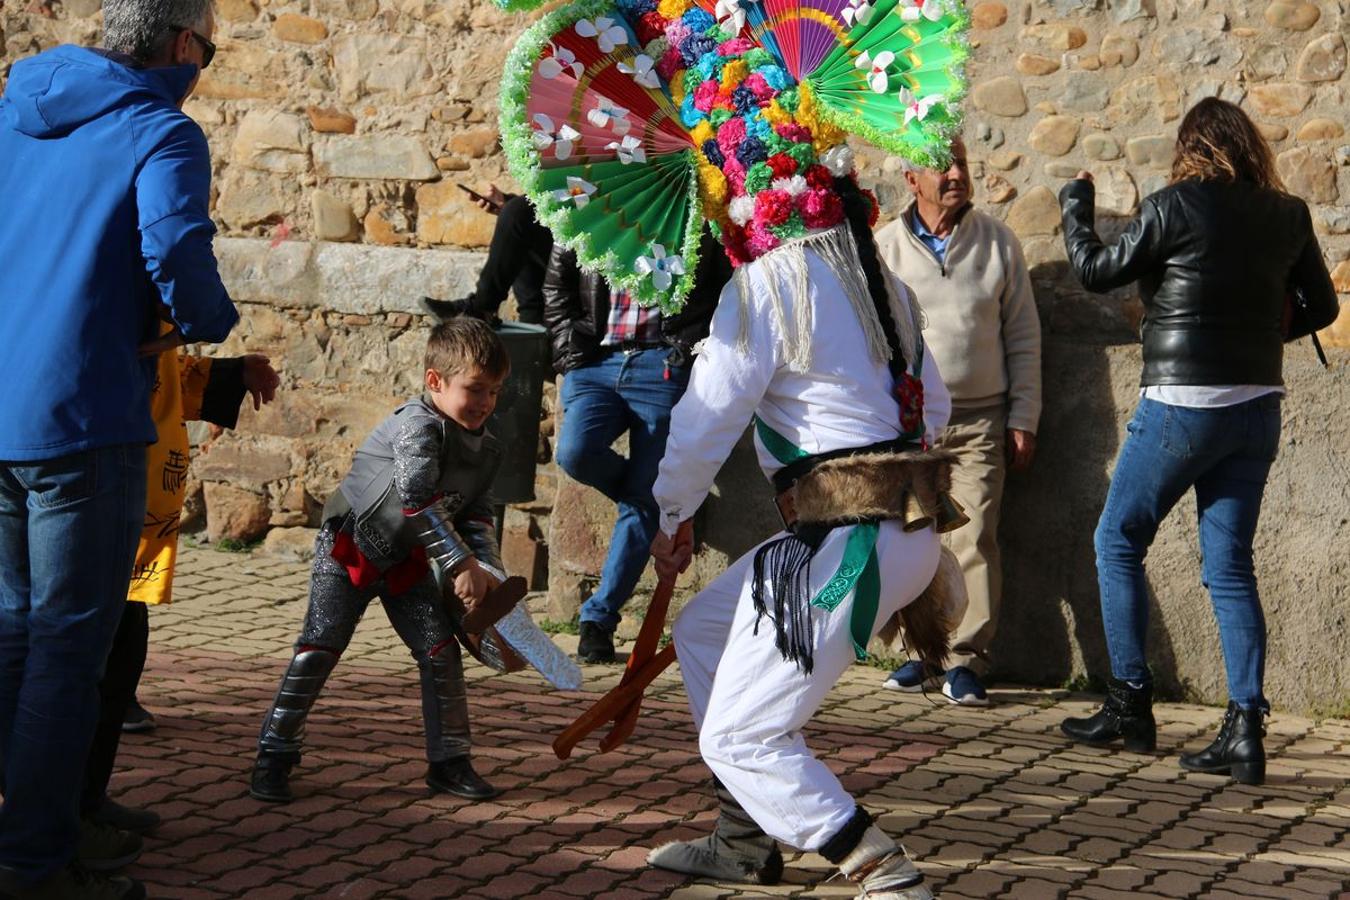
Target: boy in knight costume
column 631, row 122
column 415, row 510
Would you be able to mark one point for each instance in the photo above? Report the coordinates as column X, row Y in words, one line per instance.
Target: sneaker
column 911, row 677
column 137, row 719
column 596, row 644
column 75, row 883
column 963, row 688
column 127, row 818
column 104, row 848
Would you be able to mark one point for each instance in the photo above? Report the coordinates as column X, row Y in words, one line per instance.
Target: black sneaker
column 443, row 310
column 75, row 883
column 104, row 848
column 127, row 818
column 137, row 719
column 271, row 780
column 596, row 644
column 456, row 776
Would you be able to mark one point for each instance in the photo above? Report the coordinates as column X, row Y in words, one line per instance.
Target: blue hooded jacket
column 104, row 187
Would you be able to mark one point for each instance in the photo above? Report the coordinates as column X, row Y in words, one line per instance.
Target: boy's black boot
column 271, row 780
column 456, row 776
column 1237, row 751
column 1127, row 713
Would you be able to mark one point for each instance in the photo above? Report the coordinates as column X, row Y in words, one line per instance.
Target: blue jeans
column 632, row 392
column 1225, row 454
column 68, row 533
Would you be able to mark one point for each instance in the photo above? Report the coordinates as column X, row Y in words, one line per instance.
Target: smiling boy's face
column 467, row 398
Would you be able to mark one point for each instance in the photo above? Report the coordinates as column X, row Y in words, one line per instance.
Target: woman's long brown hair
column 1218, row 142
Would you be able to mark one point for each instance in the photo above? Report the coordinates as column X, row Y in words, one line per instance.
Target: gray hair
column 141, row 28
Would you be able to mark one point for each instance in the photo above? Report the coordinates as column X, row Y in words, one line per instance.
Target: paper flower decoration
column 607, row 34
column 661, row 267
column 629, row 150
column 607, row 114
column 578, row 190
column 875, row 67
column 857, row 12
column 562, row 60
column 560, row 139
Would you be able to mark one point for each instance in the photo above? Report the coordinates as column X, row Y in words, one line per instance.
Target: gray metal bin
column 516, row 420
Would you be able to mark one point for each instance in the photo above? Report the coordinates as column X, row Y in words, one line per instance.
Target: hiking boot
column 127, row 818
column 75, row 883
column 138, row 719
column 271, row 781
column 911, row 678
column 1127, row 713
column 596, row 644
column 962, row 687
column 104, row 848
column 1237, row 751
column 456, row 776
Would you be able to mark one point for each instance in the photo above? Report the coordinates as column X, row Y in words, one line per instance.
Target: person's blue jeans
column 1225, row 454
column 68, row 533
column 632, row 392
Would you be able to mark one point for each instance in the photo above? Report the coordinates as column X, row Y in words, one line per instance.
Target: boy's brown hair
column 465, row 344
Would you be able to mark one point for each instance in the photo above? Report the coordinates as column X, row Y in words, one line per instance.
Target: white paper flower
column 562, row 60
column 661, row 267
column 560, row 139
column 913, row 10
column 608, row 114
column 742, row 209
column 643, row 71
column 838, row 159
column 629, row 150
column 730, row 14
column 792, row 185
column 857, row 12
column 578, row 190
column 876, row 69
column 916, row 108
column 607, row 34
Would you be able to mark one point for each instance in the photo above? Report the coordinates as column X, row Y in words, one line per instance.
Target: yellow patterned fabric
column 180, row 384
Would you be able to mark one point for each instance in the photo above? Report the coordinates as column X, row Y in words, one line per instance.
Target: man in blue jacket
column 104, row 233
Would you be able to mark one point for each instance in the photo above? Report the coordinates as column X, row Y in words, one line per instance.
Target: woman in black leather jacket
column 1229, row 269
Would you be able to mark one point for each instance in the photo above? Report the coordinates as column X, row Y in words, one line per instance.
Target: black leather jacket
column 1216, row 263
column 576, row 308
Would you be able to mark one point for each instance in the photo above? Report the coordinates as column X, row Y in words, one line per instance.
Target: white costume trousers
column 750, row 704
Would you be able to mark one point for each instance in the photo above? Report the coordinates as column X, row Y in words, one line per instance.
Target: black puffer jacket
column 576, row 308
column 1216, row 263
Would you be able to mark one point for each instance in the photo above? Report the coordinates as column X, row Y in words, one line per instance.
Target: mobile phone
column 477, row 196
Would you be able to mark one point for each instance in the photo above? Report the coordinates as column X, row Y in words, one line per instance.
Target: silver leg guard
column 283, row 730
column 445, row 703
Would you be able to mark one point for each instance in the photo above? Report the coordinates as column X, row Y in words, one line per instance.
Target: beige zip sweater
column 982, row 326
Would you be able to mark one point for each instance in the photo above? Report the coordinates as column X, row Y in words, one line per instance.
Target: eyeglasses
column 208, row 48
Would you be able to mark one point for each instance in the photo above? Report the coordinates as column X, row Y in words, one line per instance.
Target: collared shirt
column 937, row 244
column 630, row 322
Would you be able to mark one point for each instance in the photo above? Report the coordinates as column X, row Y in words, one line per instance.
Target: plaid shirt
column 630, row 322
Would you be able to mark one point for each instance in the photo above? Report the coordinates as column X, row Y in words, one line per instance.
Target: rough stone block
column 373, row 63
column 333, row 218
column 383, row 157
column 1320, row 130
column 447, row 215
column 299, row 29
column 295, row 543
column 1000, row 96
column 272, row 141
column 1054, row 135
column 1279, row 99
column 1032, row 64
column 1151, row 150
column 1322, row 60
column 1055, row 35
column 1035, row 212
column 1309, row 174
column 1292, row 15
column 235, row 514
column 330, row 121
column 987, row 15
column 249, row 198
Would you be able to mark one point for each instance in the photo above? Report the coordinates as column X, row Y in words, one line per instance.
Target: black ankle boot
column 1237, row 751
column 272, row 779
column 1127, row 713
column 456, row 776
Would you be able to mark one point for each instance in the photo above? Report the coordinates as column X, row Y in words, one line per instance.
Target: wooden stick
column 614, row 704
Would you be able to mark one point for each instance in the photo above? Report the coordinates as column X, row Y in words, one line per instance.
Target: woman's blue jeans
column 1225, row 454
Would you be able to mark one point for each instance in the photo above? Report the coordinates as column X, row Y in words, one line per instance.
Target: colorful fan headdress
column 630, row 122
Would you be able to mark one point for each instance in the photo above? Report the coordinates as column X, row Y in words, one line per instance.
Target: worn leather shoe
column 456, row 776
column 127, row 818
column 1127, row 713
column 1237, row 751
column 596, row 644
column 271, row 781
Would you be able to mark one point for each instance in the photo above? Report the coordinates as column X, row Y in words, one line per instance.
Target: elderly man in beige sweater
column 967, row 270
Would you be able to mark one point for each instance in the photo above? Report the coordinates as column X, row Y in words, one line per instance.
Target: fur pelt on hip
column 912, row 487
column 925, row 624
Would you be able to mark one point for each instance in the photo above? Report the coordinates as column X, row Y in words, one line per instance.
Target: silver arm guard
column 435, row 531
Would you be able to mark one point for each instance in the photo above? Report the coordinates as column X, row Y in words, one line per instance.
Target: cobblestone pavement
column 992, row 803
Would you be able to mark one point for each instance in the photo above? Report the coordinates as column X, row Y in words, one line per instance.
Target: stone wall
column 340, row 127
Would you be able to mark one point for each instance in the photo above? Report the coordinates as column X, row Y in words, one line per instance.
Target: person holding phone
column 517, row 260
